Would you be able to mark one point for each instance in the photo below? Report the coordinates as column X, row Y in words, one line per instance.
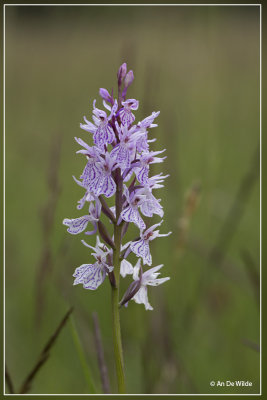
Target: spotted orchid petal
column 89, row 174
column 122, row 155
column 131, row 214
column 141, row 249
column 103, row 135
column 77, row 225
column 150, row 207
column 142, row 175
column 89, row 275
column 126, row 115
column 108, row 186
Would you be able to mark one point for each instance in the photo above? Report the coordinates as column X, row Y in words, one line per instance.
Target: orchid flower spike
column 119, row 192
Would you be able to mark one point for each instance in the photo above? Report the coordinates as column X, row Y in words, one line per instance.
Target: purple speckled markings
column 117, row 164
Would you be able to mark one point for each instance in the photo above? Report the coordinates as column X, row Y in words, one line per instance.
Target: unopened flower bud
column 105, row 95
column 130, row 292
column 121, row 73
column 129, row 79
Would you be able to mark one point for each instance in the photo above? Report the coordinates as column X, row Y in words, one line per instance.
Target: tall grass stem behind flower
column 117, row 166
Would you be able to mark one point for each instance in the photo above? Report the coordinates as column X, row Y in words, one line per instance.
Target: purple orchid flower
column 103, row 133
column 105, row 95
column 148, row 278
column 130, row 212
column 78, row 225
column 151, row 205
column 141, row 246
column 142, row 170
column 90, row 171
column 88, row 197
column 97, row 176
column 104, row 182
column 91, row 276
column 142, row 143
column 126, row 115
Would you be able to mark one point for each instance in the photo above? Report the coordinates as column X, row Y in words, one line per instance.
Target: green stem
column 117, row 341
column 115, row 292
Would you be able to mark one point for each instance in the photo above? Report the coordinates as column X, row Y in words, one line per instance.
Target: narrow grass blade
column 43, row 356
column 84, row 364
column 9, row 381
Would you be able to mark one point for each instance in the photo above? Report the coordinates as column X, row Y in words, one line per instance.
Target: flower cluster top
column 117, row 164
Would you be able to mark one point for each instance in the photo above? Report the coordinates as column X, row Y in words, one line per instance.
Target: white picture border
column 260, row 94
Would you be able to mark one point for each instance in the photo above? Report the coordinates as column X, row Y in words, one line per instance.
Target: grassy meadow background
column 200, row 67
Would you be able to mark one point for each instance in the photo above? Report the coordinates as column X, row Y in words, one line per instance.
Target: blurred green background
column 200, row 67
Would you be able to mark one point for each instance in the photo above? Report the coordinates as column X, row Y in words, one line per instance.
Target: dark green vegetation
column 200, row 68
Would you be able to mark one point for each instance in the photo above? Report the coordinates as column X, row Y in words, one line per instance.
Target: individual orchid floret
column 94, row 211
column 130, row 213
column 150, row 205
column 88, row 197
column 142, row 170
column 91, row 170
column 92, row 275
column 126, row 115
column 155, row 182
column 141, row 246
column 134, row 286
column 89, row 275
column 148, row 278
column 103, row 183
column 148, row 121
column 78, row 225
column 97, row 177
column 100, row 252
column 143, row 143
column 103, row 133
